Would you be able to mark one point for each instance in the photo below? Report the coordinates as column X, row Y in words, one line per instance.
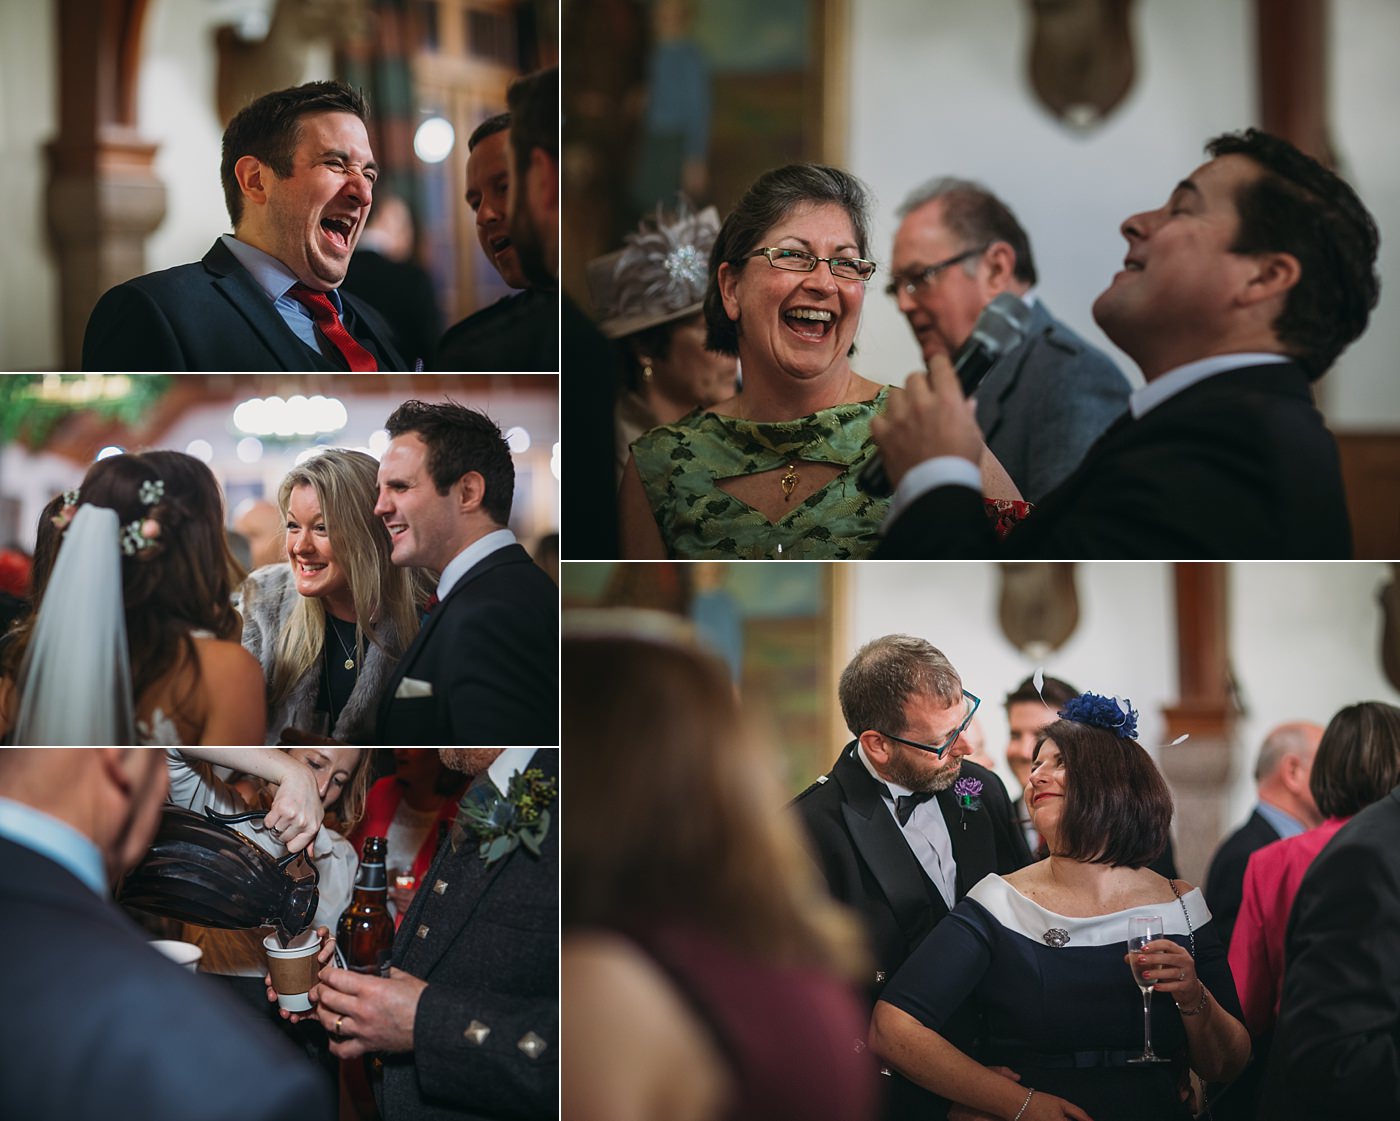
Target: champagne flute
column 1141, row 931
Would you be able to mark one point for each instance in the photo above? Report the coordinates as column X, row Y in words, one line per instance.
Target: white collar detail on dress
column 1026, row 917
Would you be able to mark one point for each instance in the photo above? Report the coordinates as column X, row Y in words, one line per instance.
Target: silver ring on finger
column 1183, row 976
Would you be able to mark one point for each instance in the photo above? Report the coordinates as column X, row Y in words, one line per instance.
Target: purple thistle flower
column 967, row 787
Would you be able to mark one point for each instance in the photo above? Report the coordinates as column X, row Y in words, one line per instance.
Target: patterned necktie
column 357, row 358
column 433, row 601
column 905, row 803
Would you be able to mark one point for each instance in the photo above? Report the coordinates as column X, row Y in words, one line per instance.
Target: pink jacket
column 1256, row 947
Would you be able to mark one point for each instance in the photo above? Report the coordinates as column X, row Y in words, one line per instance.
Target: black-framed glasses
column 910, row 283
column 798, row 260
column 938, row 751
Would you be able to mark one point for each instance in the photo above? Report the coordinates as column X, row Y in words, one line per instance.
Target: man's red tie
column 433, row 601
column 323, row 312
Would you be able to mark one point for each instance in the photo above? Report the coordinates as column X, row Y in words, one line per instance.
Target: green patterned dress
column 680, row 464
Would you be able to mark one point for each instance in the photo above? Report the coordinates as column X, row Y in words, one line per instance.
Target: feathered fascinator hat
column 1117, row 716
column 660, row 273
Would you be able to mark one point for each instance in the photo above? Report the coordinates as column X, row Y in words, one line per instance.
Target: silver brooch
column 1056, row 937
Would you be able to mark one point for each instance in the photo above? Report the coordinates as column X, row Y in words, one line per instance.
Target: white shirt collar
column 464, row 561
column 508, row 764
column 1171, row 383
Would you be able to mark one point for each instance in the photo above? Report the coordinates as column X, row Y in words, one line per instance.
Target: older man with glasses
column 903, row 825
column 1044, row 402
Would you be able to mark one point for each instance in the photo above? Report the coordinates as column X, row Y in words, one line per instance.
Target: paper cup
column 293, row 969
column 181, row 953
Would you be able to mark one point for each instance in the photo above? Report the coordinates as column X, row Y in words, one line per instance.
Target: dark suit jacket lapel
column 237, row 285
column 883, row 848
column 362, row 328
column 468, row 879
column 511, row 554
column 974, row 846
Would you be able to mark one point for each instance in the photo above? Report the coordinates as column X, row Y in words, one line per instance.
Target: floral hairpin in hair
column 1111, row 713
column 142, row 533
column 67, row 510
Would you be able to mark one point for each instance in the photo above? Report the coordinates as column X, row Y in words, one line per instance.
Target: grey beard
column 900, row 770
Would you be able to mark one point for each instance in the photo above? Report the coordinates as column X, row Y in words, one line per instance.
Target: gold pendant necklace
column 789, row 481
column 349, row 662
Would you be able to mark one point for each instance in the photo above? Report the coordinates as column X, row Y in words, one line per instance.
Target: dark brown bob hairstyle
column 1117, row 808
column 1357, row 760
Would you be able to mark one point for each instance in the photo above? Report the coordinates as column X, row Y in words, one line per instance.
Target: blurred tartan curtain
column 378, row 62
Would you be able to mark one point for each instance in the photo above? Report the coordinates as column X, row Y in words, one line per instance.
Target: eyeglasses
column 912, row 282
column 795, row 260
column 952, row 739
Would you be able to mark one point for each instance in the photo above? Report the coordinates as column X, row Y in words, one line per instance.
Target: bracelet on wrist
column 1200, row 1005
column 1025, row 1103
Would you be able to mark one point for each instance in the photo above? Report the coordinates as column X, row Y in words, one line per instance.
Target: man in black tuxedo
column 467, row 1022
column 903, row 825
column 1285, row 808
column 1234, row 296
column 298, row 177
column 97, row 1023
column 1336, row 1049
column 484, row 667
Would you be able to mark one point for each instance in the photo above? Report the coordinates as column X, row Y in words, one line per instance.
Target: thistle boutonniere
column 969, row 795
column 505, row 822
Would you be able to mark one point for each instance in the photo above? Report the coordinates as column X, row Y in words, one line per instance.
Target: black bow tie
column 905, row 803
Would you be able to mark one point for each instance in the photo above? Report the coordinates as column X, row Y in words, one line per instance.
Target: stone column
column 104, row 200
column 1198, row 770
column 103, row 197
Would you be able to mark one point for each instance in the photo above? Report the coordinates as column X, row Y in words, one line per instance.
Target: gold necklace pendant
column 349, row 663
column 789, row 481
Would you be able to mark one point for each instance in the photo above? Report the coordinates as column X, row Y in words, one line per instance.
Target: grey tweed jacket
column 269, row 595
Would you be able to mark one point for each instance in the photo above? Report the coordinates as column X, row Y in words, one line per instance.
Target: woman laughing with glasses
column 771, row 472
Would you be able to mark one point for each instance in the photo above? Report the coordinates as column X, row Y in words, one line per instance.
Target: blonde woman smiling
column 328, row 626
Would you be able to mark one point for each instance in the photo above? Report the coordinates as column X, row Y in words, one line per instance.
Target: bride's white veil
column 75, row 682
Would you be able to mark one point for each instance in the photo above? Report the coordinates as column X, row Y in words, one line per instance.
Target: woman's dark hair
column 183, row 581
column 1117, row 808
column 770, row 199
column 683, row 834
column 1357, row 760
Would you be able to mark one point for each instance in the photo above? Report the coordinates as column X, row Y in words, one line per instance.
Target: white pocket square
column 412, row 687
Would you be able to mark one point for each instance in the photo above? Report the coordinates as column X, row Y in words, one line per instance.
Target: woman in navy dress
column 1041, row 956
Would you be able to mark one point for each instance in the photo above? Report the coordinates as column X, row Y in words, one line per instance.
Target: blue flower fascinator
column 1118, row 717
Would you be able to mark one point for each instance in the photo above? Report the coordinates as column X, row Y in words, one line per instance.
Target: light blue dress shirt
column 275, row 278
column 57, row 840
column 1285, row 824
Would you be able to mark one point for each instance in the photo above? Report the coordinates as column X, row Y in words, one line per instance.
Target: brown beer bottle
column 365, row 932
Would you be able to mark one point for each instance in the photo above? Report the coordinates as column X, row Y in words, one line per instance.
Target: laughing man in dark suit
column 298, row 177
column 903, row 825
column 1234, row 296
column 484, row 668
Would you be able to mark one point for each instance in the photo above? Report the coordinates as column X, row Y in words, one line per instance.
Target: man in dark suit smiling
column 1236, row 294
column 903, row 825
column 484, row 668
column 298, row 177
